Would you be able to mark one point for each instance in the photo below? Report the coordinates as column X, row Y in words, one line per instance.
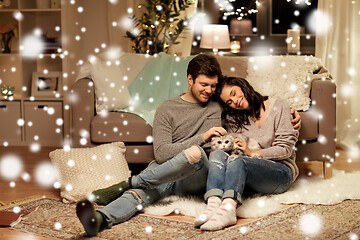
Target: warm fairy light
column 229, row 10
column 298, row 2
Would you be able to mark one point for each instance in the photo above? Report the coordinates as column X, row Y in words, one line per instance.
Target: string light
column 307, row 2
column 229, row 10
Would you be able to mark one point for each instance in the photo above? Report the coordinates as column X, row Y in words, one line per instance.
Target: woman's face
column 234, row 97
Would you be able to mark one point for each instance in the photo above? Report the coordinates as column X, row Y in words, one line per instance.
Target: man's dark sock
column 89, row 218
column 105, row 196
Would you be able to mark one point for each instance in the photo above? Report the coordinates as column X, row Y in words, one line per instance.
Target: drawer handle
column 2, row 106
column 42, row 106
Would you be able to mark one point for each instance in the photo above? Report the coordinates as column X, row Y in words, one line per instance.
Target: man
column 182, row 128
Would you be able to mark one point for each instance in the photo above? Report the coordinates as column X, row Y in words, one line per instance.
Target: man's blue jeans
column 228, row 175
column 176, row 176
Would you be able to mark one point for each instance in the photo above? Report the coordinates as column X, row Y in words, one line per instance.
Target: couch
column 317, row 134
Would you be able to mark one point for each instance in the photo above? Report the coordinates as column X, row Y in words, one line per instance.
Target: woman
column 270, row 170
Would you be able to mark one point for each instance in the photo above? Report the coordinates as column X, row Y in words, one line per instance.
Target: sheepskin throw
column 307, row 190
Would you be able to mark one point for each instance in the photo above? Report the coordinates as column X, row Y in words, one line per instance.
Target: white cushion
column 83, row 170
column 111, row 89
column 286, row 77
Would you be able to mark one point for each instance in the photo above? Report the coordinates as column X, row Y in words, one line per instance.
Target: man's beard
column 198, row 97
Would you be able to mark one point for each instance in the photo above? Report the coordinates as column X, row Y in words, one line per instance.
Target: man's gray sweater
column 179, row 124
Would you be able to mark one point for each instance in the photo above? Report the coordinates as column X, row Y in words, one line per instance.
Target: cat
column 226, row 143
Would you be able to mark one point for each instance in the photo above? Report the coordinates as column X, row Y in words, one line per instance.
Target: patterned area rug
column 341, row 221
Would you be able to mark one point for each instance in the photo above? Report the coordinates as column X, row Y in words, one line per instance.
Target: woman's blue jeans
column 176, row 176
column 228, row 175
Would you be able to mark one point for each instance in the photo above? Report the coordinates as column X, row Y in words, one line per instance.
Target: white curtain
column 339, row 49
column 118, row 12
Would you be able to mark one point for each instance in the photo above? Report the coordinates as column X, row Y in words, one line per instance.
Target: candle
column 293, row 40
column 235, row 46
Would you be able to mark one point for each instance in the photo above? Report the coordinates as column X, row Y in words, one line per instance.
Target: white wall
column 95, row 19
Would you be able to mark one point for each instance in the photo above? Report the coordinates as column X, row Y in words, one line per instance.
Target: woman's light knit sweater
column 277, row 136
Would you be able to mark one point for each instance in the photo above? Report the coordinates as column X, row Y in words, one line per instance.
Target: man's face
column 203, row 88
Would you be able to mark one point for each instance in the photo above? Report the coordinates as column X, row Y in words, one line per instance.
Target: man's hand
column 214, row 131
column 296, row 121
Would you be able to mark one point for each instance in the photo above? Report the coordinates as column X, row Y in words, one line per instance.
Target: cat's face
column 224, row 143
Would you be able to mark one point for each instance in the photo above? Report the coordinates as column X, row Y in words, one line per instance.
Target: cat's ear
column 231, row 136
column 241, row 136
column 214, row 138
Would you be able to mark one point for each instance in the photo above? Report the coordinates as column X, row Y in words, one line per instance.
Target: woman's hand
column 296, row 121
column 214, row 131
column 242, row 145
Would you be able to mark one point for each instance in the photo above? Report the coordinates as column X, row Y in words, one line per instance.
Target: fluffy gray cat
column 226, row 143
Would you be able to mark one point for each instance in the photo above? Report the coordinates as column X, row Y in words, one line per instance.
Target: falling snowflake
column 32, row 46
column 322, row 20
column 310, row 224
column 20, row 122
column 322, row 139
column 69, row 187
column 83, row 141
column 18, row 15
column 149, row 139
column 243, row 230
column 11, row 166
column 16, row 209
column 261, row 203
column 71, row 163
column 57, row 226
column 353, row 236
column 57, row 185
column 26, row 177
column 148, row 229
column 45, row 174
column 66, row 147
column 50, row 110
column 35, row 147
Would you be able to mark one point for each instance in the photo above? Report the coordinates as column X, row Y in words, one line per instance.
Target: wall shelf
column 17, row 70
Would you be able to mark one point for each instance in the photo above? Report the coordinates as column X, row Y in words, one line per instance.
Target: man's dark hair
column 204, row 64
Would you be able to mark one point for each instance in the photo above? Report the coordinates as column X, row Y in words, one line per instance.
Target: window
column 240, row 17
column 287, row 14
column 263, row 32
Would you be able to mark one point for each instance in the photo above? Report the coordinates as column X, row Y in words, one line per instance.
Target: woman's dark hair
column 204, row 64
column 233, row 118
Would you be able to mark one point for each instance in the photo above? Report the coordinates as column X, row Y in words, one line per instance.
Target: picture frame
column 46, row 85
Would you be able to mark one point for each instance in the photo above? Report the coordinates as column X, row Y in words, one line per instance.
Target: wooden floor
column 31, row 160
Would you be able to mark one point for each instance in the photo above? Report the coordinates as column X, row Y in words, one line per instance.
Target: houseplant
column 159, row 26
